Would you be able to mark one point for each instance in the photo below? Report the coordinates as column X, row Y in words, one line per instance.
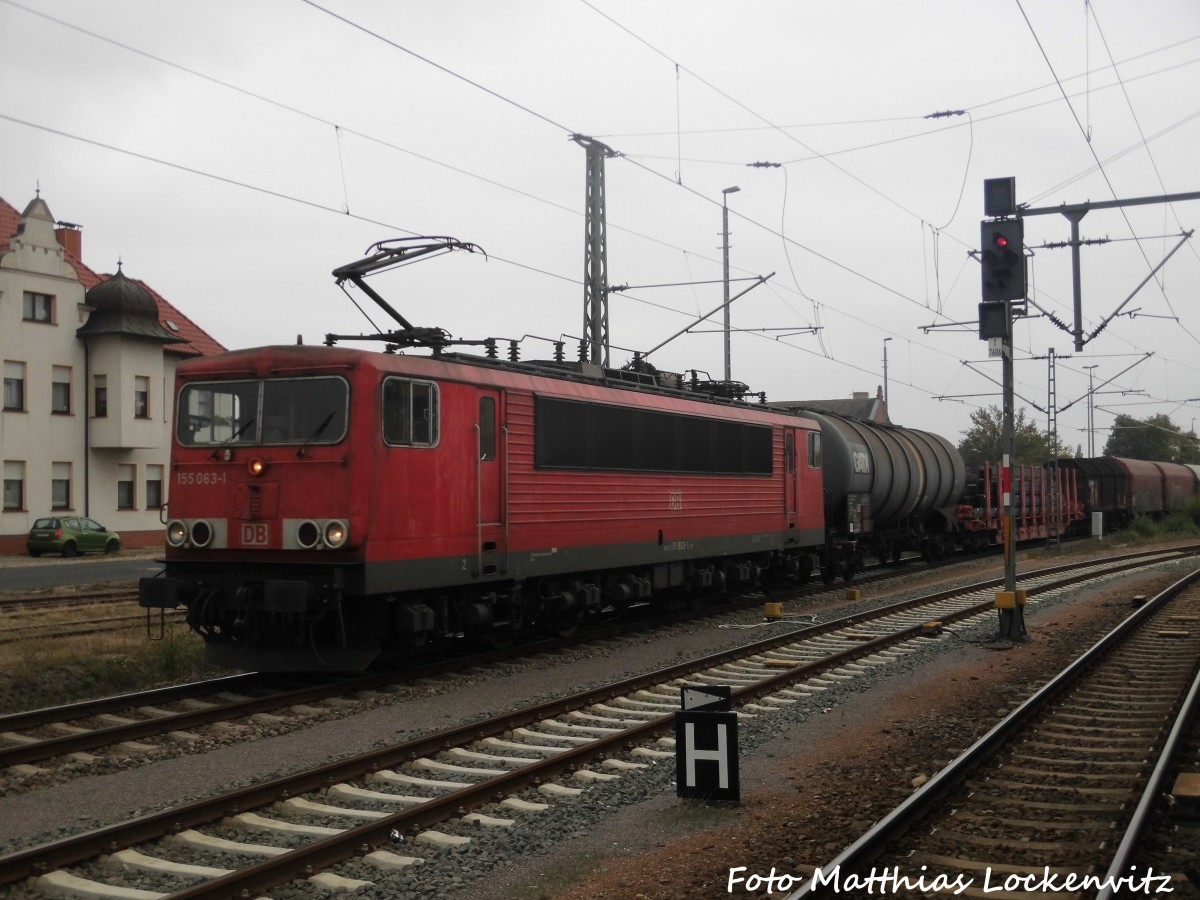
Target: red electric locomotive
column 329, row 506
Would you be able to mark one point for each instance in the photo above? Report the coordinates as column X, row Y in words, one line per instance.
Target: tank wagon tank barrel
column 903, row 475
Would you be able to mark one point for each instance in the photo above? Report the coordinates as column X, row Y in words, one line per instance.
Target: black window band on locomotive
column 263, row 412
column 573, row 434
column 410, row 413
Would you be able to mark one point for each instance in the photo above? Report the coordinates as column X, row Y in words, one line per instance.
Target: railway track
column 1056, row 799
column 45, row 616
column 166, row 720
column 56, row 600
column 68, row 735
column 438, row 793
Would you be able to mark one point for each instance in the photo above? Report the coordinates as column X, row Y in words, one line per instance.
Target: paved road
column 21, row 573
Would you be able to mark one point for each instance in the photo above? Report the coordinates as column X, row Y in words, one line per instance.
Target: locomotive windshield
column 267, row 411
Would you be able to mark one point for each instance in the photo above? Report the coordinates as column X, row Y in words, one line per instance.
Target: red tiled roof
column 9, row 220
column 198, row 341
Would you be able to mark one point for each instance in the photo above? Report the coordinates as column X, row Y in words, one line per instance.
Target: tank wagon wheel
column 805, row 571
column 828, row 574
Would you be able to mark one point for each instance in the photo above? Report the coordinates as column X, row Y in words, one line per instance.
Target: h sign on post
column 706, row 748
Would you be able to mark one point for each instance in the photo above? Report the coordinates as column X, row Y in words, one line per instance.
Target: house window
column 125, row 478
column 141, row 397
column 14, row 385
column 60, row 485
column 154, row 476
column 14, row 486
column 100, row 386
column 60, row 390
column 38, row 307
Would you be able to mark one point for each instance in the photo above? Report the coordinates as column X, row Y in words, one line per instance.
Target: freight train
column 330, row 507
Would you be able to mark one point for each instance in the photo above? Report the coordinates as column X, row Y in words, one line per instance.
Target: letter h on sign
column 706, row 756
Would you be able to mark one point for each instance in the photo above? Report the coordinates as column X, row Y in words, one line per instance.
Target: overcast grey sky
column 232, row 154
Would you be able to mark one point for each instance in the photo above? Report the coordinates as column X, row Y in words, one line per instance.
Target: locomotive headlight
column 307, row 534
column 202, row 533
column 256, row 466
column 176, row 533
column 335, row 533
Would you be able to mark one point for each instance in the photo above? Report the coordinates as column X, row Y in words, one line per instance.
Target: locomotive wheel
column 566, row 626
column 500, row 639
column 828, row 574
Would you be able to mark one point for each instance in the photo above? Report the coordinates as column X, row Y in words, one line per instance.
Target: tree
column 984, row 440
column 1156, row 438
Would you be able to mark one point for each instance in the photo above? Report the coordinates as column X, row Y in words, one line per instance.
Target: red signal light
column 1001, row 240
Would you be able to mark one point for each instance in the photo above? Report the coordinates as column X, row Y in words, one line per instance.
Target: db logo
column 255, row 534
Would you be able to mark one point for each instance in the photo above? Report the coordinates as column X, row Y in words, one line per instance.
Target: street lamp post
column 725, row 256
column 1091, row 421
column 885, row 381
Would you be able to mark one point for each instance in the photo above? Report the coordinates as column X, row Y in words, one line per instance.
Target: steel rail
column 184, row 721
column 1156, row 786
column 306, row 860
column 871, row 845
column 262, row 876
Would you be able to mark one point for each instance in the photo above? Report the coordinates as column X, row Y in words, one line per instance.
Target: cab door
column 809, row 503
column 490, row 482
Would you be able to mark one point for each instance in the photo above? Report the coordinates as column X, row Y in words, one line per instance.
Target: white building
column 89, row 364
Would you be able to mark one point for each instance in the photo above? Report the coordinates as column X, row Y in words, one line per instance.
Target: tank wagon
column 887, row 490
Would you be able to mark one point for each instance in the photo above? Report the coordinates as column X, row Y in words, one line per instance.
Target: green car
column 71, row 535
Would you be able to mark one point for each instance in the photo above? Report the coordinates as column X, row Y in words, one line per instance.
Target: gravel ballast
column 629, row 826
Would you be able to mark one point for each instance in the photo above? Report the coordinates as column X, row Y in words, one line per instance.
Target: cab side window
column 487, row 428
column 814, row 449
column 410, row 413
